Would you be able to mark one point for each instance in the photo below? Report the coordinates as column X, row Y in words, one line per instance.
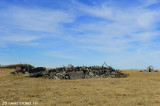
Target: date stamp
column 5, row 103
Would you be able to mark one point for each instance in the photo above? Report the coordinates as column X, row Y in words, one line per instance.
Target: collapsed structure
column 71, row 72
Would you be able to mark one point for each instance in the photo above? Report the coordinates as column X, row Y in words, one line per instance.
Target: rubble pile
column 20, row 70
column 74, row 72
column 36, row 72
column 150, row 69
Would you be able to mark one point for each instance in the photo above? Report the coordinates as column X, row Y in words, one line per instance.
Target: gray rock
column 150, row 69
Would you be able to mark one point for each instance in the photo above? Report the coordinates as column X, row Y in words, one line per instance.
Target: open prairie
column 138, row 89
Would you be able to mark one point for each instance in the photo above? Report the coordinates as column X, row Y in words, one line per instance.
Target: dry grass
column 139, row 89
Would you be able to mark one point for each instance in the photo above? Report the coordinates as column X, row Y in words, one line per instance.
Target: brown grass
column 139, row 89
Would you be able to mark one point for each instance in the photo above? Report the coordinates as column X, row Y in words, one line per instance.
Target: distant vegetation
column 17, row 65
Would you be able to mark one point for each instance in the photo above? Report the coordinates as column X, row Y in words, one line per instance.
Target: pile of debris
column 150, row 69
column 31, row 72
column 72, row 72
column 84, row 72
column 20, row 70
column 36, row 72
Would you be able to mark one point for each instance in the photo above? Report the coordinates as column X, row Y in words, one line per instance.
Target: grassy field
column 139, row 89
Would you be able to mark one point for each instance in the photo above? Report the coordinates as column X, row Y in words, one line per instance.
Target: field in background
column 139, row 89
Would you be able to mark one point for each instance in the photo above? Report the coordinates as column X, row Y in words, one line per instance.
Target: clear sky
column 52, row 33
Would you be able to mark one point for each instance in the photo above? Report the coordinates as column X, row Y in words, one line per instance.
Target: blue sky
column 52, row 33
